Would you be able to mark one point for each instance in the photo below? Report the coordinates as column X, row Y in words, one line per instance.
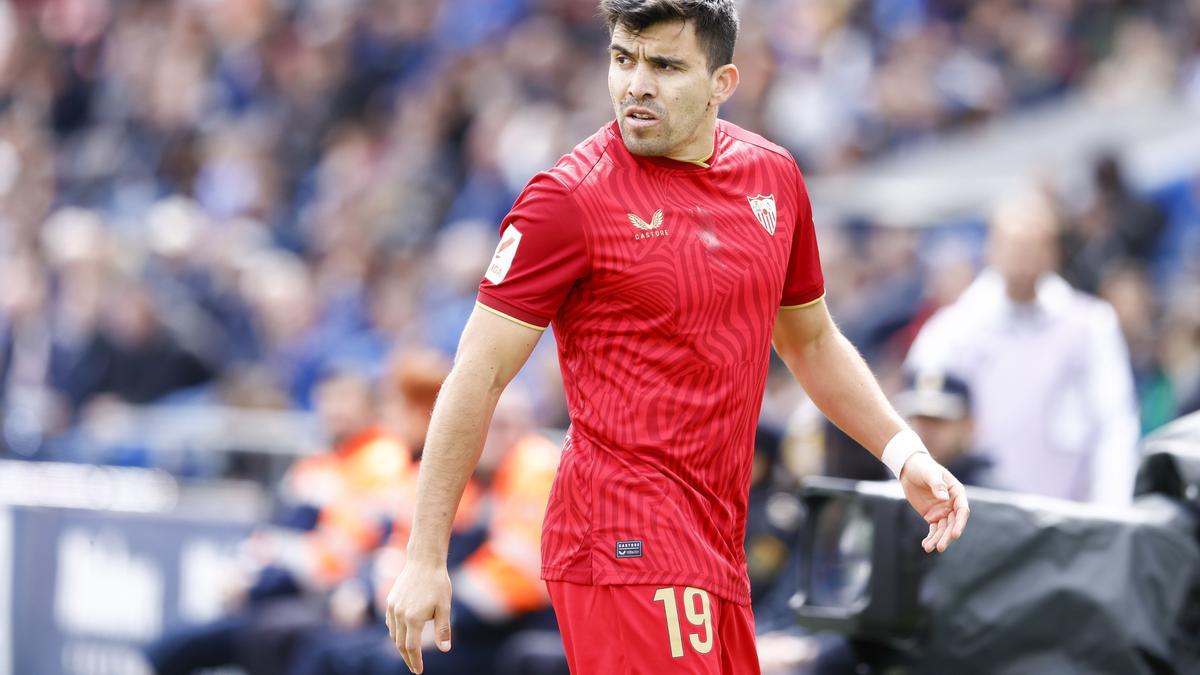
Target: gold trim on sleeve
column 810, row 303
column 510, row 318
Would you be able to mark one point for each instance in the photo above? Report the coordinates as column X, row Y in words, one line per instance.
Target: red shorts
column 653, row 630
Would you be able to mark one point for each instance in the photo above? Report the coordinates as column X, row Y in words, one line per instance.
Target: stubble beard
column 667, row 135
column 655, row 144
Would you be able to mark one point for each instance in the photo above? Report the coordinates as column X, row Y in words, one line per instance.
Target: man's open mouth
column 641, row 116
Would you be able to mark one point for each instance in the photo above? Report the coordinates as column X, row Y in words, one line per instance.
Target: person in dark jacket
column 938, row 407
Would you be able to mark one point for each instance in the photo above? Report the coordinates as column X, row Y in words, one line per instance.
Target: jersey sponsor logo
column 631, row 548
column 763, row 207
column 506, row 250
column 650, row 229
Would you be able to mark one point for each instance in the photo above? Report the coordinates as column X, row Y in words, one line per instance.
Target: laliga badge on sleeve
column 506, row 250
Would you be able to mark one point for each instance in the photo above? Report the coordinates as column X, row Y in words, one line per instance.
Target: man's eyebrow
column 656, row 60
column 614, row 47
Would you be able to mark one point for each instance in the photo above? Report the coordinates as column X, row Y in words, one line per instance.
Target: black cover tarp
column 1046, row 587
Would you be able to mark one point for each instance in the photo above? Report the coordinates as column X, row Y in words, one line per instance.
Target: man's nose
column 642, row 84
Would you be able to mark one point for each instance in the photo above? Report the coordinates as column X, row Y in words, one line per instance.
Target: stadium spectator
column 938, row 407
column 412, row 381
column 1047, row 366
column 498, row 592
column 139, row 359
column 336, row 509
column 774, row 515
column 1131, row 295
column 26, row 391
column 1116, row 229
column 352, row 491
column 1180, row 349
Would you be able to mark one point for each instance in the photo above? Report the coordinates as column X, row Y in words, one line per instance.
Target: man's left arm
column 838, row 380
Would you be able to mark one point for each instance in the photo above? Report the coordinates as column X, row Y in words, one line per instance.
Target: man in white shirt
column 1047, row 365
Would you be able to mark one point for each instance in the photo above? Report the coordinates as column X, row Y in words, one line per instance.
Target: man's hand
column 420, row 594
column 938, row 496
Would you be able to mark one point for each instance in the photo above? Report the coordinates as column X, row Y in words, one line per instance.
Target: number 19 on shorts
column 697, row 609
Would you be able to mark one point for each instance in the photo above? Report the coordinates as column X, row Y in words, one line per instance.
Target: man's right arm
column 541, row 255
column 492, row 349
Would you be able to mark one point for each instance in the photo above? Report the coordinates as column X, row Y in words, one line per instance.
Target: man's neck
column 701, row 149
column 1022, row 299
column 1021, row 295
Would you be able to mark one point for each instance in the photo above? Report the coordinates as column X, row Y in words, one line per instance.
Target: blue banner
column 88, row 589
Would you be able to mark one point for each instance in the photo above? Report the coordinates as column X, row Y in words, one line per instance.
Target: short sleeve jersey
column 663, row 280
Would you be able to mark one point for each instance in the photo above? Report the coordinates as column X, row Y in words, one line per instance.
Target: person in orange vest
column 369, row 481
column 498, row 589
column 341, row 501
column 336, row 508
column 411, row 381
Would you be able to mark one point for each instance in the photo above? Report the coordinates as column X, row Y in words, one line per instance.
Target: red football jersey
column 662, row 279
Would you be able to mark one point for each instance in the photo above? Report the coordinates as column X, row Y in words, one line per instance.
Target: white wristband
column 903, row 445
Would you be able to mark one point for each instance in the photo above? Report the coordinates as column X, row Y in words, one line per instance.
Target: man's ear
column 725, row 81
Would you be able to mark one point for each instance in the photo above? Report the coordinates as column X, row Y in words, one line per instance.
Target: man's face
column 1023, row 245
column 345, row 406
column 1023, row 256
column 661, row 88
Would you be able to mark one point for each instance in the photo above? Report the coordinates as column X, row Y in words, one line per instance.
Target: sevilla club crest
column 764, row 209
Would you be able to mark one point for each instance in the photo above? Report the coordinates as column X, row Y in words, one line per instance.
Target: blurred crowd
column 285, row 204
column 215, row 201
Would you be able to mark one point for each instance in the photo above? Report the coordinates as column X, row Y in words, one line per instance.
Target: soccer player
column 670, row 250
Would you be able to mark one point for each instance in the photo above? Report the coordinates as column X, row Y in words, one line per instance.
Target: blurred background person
column 1118, row 227
column 495, row 570
column 938, row 407
column 1046, row 364
column 775, row 517
column 335, row 509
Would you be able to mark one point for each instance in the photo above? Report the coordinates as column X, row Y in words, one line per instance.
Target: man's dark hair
column 716, row 21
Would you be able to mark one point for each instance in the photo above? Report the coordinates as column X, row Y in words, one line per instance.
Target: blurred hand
column 938, row 496
column 420, row 594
